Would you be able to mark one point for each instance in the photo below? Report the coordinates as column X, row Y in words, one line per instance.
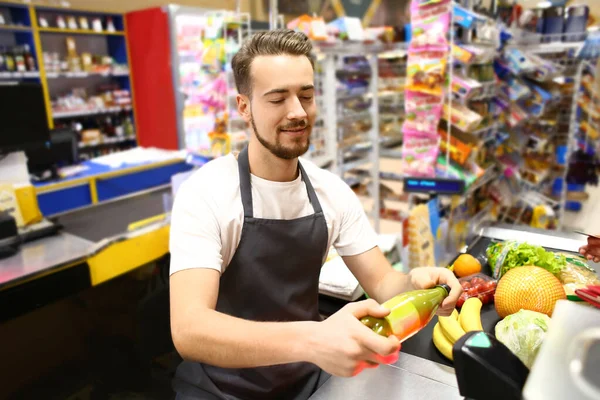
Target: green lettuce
column 523, row 333
column 521, row 254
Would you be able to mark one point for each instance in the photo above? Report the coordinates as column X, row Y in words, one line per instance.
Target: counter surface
column 410, row 378
column 42, row 256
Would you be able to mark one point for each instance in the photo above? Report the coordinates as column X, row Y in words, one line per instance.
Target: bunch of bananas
column 449, row 329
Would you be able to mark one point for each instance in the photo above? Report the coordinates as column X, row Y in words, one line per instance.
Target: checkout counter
column 421, row 371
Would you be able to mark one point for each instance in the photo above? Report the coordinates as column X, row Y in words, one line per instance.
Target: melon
column 528, row 288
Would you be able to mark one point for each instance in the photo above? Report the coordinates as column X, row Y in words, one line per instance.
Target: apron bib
column 273, row 276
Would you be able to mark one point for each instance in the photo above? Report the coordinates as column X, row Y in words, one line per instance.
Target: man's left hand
column 428, row 277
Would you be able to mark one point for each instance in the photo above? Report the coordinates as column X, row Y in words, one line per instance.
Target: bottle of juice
column 409, row 312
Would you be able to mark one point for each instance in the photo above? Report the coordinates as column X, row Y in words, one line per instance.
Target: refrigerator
column 183, row 83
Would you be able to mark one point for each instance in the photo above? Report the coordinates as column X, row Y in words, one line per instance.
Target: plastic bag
column 425, row 71
column 523, row 333
column 430, row 28
column 423, row 112
column 419, row 161
column 577, row 274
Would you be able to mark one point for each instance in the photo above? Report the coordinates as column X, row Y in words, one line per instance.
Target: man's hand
column 342, row 346
column 428, row 277
column 592, row 249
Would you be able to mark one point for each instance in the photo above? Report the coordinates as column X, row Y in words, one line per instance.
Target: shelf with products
column 17, row 43
column 68, row 21
column 87, row 77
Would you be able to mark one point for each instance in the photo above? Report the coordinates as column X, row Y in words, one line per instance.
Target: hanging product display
column 424, row 92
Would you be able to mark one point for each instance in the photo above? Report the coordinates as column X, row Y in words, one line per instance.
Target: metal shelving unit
column 347, row 149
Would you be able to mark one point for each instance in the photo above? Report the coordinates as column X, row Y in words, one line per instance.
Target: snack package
column 425, row 71
column 465, row 87
column 518, row 62
column 517, row 90
column 423, row 112
column 462, row 117
column 419, row 161
column 431, row 31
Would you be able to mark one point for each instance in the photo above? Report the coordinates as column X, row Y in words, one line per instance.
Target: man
column 249, row 235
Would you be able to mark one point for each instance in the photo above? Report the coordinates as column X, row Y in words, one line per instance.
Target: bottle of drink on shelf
column 29, row 60
column 9, row 59
column 409, row 312
column 19, row 59
column 2, row 60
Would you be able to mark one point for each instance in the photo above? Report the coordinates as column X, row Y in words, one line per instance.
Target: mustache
column 300, row 124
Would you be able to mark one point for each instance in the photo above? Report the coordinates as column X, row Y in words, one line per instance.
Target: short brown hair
column 270, row 43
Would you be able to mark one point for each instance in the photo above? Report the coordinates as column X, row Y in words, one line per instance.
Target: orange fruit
column 466, row 265
column 529, row 288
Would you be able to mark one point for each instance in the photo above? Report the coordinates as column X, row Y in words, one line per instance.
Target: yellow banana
column 451, row 328
column 470, row 315
column 441, row 342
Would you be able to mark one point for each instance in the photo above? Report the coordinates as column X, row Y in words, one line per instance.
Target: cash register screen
column 23, row 117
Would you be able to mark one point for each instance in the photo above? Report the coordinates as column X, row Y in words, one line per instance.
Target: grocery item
column 470, row 315
column 462, row 117
column 577, row 274
column 451, row 327
column 503, row 256
column 441, row 342
column 423, row 112
column 478, row 285
column 430, row 30
column 425, row 71
column 523, row 333
column 465, row 87
column 530, row 288
column 409, row 312
column 466, row 265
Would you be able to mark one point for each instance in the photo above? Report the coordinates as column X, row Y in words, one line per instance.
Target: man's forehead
column 292, row 72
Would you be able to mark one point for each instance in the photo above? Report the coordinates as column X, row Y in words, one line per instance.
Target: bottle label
column 404, row 321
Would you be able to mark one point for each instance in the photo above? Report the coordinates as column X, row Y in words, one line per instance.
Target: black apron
column 273, row 276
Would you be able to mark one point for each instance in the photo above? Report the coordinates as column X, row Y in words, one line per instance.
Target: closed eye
column 307, row 98
column 276, row 101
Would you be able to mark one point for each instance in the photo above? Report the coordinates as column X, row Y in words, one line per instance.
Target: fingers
column 445, row 312
column 583, row 250
column 383, row 346
column 593, row 242
column 446, row 276
column 370, row 307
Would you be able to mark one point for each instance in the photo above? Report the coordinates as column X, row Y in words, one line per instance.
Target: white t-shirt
column 208, row 215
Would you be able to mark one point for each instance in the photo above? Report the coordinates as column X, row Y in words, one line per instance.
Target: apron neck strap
column 246, row 186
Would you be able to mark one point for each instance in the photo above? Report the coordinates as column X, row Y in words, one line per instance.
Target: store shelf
column 81, row 32
column 348, row 166
column 15, row 28
column 85, row 113
column 57, row 75
column 19, row 75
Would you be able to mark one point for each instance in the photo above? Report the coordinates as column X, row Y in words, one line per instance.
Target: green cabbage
column 521, row 254
column 523, row 333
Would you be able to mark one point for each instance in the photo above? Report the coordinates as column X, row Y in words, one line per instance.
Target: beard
column 300, row 145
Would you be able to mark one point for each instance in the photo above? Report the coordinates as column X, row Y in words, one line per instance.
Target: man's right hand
column 592, row 250
column 342, row 346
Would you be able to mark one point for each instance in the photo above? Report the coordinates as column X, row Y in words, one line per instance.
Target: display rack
column 351, row 115
column 81, row 60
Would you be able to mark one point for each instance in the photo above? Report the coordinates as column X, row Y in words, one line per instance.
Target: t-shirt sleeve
column 356, row 233
column 195, row 240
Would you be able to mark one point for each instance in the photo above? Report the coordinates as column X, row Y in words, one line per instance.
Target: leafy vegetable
column 511, row 254
column 523, row 333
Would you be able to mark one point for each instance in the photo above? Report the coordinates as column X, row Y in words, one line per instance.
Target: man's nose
column 296, row 110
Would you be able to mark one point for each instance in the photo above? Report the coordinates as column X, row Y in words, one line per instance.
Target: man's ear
column 243, row 106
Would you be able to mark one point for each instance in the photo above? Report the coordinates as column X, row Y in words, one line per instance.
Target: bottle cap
column 445, row 287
